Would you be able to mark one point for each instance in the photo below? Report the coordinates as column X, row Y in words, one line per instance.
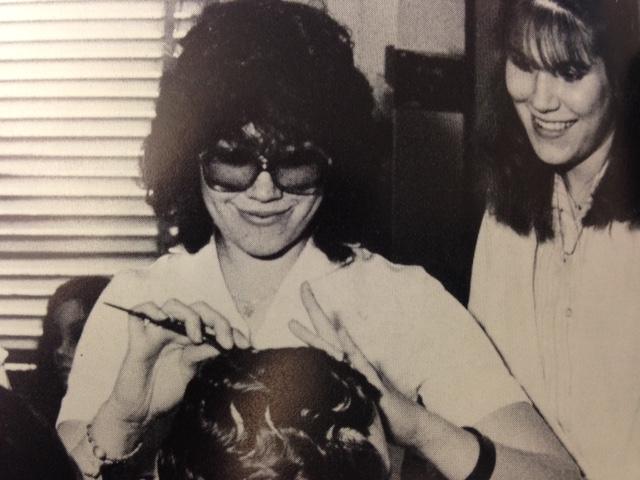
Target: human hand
column 403, row 415
column 160, row 363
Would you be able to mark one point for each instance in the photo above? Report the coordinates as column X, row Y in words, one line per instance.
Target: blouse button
column 568, row 312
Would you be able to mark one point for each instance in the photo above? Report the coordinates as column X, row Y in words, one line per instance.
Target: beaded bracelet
column 101, row 455
column 486, row 458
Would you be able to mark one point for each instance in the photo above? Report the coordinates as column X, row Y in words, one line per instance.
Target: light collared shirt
column 566, row 318
column 404, row 321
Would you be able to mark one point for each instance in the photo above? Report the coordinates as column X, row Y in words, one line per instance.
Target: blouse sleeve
column 480, row 274
column 422, row 338
column 100, row 351
column 463, row 378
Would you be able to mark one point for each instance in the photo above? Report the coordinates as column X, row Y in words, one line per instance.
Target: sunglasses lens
column 302, row 171
column 230, row 170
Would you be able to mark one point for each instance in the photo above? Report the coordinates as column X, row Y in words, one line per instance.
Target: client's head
column 284, row 414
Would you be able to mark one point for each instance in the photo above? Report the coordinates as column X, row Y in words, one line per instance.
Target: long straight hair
column 564, row 34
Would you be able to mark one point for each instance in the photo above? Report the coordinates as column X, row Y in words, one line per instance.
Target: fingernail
column 241, row 340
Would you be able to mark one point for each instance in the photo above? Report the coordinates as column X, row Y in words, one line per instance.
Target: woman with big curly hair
column 260, row 156
column 556, row 276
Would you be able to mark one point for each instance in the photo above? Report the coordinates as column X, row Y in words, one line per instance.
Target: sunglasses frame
column 264, row 165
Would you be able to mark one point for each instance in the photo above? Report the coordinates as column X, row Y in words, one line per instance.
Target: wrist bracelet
column 102, row 457
column 486, row 458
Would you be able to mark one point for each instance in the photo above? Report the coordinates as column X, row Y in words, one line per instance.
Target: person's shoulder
column 375, row 269
column 493, row 225
column 166, row 269
column 624, row 232
column 365, row 259
column 616, row 247
column 502, row 241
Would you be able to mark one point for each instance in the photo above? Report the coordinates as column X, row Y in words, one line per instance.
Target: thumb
column 194, row 354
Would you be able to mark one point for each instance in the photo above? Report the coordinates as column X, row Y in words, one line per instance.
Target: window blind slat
column 82, row 30
column 123, row 88
column 74, row 69
column 122, row 147
column 85, row 2
column 74, row 128
column 29, row 286
column 21, row 328
column 77, row 50
column 18, row 344
column 69, row 167
column 66, row 207
column 85, row 227
column 70, row 187
column 69, row 266
column 80, row 11
column 144, row 246
column 89, row 108
column 37, row 1
column 23, row 306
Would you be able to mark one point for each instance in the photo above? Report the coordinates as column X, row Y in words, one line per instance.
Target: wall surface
column 433, row 27
column 428, row 181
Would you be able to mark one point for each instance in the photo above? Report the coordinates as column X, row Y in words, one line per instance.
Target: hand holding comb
column 173, row 325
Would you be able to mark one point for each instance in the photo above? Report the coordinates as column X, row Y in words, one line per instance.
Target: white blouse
column 402, row 319
column 567, row 322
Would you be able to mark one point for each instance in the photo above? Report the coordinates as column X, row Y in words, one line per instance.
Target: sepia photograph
column 320, row 239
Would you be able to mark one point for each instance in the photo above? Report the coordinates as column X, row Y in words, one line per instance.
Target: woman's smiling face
column 566, row 116
column 263, row 221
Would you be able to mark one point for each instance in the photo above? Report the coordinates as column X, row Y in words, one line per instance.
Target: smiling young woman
column 557, row 262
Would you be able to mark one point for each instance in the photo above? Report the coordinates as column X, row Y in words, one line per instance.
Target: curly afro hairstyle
column 280, row 414
column 279, row 64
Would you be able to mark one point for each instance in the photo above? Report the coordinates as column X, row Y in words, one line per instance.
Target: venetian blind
column 78, row 81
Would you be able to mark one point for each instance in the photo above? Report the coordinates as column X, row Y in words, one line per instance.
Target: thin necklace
column 248, row 307
column 577, row 210
column 234, row 278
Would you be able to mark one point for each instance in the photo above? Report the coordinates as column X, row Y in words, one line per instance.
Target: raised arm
column 156, row 369
column 525, row 448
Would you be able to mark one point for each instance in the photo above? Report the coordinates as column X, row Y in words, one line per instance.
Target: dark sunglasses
column 300, row 170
